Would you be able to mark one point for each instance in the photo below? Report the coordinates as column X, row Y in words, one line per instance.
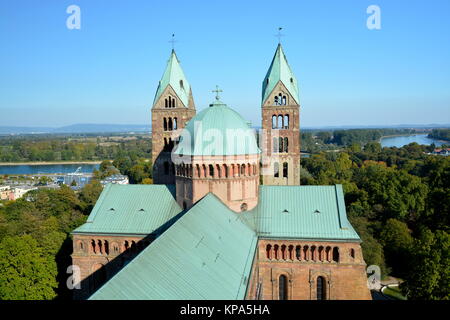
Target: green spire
column 279, row 70
column 174, row 76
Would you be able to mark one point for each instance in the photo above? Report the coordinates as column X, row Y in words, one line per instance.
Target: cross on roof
column 279, row 34
column 217, row 92
column 172, row 41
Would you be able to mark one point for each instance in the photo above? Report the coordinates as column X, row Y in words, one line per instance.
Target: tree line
column 318, row 140
column 440, row 134
column 50, row 148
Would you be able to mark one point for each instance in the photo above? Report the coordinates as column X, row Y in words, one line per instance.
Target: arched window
column 276, row 170
column 284, row 101
column 93, row 246
column 170, row 102
column 170, row 125
column 275, row 145
column 280, row 99
column 285, row 169
column 225, row 171
column 275, row 249
column 280, row 122
column 283, row 252
column 352, row 253
column 175, row 124
column 249, row 169
column 280, row 144
column 335, row 254
column 100, row 246
column 305, row 253
column 269, row 251
column 237, row 170
column 165, row 124
column 321, row 289
column 107, row 247
column 275, row 101
column 211, row 171
column 320, row 253
column 291, row 251
column 286, row 121
column 274, row 121
column 327, row 254
column 285, row 144
column 313, row 253
column 283, row 287
column 199, row 174
column 244, row 207
column 165, row 103
column 173, row 102
column 298, row 253
column 219, row 173
column 243, row 170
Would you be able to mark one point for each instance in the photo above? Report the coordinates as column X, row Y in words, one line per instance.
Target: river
column 47, row 168
column 400, row 141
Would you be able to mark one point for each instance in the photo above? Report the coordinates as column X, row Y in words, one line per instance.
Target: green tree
column 26, row 274
column 429, row 275
column 89, row 194
column 397, row 240
column 372, row 250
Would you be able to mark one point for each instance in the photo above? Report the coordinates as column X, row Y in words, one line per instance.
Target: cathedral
column 226, row 217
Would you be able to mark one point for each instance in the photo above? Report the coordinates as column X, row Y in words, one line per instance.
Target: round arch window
column 244, row 207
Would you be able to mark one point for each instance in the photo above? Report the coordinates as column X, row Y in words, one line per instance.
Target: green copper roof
column 206, row 254
column 131, row 209
column 174, row 76
column 217, row 130
column 279, row 70
column 301, row 212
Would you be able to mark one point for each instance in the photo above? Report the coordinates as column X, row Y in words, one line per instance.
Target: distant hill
column 128, row 128
column 92, row 128
column 21, row 130
column 77, row 128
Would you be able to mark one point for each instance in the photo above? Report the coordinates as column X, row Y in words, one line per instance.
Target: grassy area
column 394, row 292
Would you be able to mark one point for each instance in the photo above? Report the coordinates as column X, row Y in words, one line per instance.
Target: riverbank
column 404, row 139
column 47, row 163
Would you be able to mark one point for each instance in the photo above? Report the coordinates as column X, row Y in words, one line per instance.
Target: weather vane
column 172, row 41
column 279, row 34
column 217, row 92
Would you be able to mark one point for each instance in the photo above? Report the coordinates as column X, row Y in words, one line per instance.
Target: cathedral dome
column 217, row 131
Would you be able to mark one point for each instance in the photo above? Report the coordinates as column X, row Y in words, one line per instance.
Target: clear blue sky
column 108, row 71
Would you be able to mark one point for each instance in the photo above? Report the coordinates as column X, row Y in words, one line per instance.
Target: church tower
column 280, row 123
column 173, row 107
